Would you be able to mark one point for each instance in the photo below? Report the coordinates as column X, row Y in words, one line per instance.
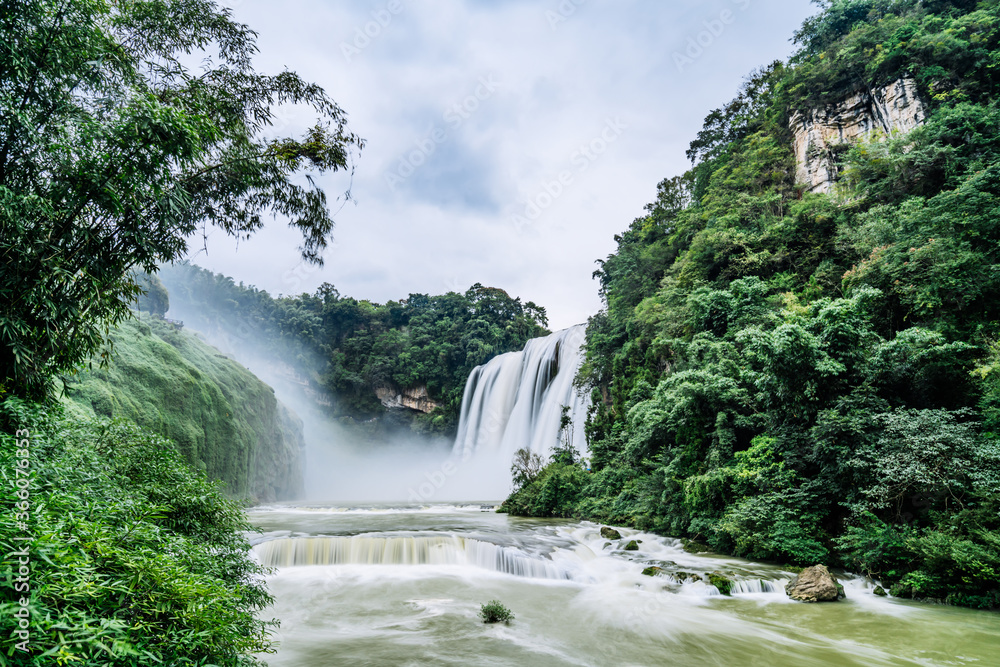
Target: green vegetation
column 136, row 559
column 222, row 419
column 721, row 582
column 350, row 348
column 124, row 127
column 494, row 612
column 806, row 377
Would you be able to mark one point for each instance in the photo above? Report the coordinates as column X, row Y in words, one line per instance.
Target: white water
column 405, row 550
column 402, row 586
column 516, row 399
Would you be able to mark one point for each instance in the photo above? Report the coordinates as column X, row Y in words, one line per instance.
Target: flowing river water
column 402, row 586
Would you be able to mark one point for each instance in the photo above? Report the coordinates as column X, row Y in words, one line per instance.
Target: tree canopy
column 350, row 347
column 124, row 127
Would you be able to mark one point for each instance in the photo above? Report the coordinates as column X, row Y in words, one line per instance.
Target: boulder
column 721, row 582
column 693, row 547
column 814, row 584
column 879, row 591
column 610, row 533
column 652, row 571
column 631, row 546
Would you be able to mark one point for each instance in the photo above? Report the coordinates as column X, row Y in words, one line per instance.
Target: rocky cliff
column 820, row 133
column 415, row 398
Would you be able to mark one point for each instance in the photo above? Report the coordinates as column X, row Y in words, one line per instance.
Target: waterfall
column 415, row 550
column 516, row 399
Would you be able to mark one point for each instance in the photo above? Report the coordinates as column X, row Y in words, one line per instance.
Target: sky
column 507, row 141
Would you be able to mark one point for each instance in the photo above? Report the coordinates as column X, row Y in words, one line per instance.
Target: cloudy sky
column 508, row 141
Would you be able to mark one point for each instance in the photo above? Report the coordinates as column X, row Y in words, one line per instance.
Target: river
column 402, row 585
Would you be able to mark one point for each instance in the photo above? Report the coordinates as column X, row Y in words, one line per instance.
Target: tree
column 155, row 299
column 525, row 467
column 114, row 149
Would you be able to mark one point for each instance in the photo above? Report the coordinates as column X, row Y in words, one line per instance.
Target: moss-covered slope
column 223, row 419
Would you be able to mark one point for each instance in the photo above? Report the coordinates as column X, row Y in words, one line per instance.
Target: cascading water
column 516, row 400
column 396, row 585
column 405, row 550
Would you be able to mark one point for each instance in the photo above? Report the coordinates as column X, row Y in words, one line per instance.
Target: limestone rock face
column 415, row 398
column 881, row 111
column 814, row 584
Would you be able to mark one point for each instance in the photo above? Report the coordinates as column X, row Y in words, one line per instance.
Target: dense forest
column 351, row 348
column 813, row 376
column 124, row 128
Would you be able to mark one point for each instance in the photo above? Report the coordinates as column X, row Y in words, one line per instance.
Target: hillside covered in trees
column 124, row 128
column 810, row 374
column 222, row 419
column 356, row 352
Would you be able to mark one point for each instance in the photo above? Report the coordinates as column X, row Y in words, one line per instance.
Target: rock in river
column 610, row 533
column 814, row 584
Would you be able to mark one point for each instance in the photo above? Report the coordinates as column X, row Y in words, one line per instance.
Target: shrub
column 494, row 612
column 136, row 558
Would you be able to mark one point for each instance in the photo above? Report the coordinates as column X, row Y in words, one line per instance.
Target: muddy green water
column 402, row 587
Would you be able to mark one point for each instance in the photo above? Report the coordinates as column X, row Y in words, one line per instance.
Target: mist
column 340, row 465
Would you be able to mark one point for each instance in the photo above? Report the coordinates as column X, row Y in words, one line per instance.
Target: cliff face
column 415, row 398
column 818, row 133
column 223, row 419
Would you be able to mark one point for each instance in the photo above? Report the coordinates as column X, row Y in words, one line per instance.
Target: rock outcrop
column 610, row 533
column 820, row 133
column 721, row 582
column 415, row 398
column 814, row 584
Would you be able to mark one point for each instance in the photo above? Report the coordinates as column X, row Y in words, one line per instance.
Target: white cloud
column 451, row 223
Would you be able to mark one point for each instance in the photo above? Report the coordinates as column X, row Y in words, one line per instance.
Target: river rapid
column 402, row 586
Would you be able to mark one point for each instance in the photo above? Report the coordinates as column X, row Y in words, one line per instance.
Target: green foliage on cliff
column 222, row 419
column 813, row 378
column 350, row 348
column 134, row 558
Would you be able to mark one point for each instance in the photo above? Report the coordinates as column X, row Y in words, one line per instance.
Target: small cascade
column 758, row 586
column 516, row 399
column 416, row 550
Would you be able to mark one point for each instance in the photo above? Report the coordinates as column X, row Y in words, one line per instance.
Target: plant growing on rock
column 495, row 612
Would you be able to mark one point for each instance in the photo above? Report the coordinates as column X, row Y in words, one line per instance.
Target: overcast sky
column 508, row 141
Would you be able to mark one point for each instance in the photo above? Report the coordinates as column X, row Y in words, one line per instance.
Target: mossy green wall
column 223, row 419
